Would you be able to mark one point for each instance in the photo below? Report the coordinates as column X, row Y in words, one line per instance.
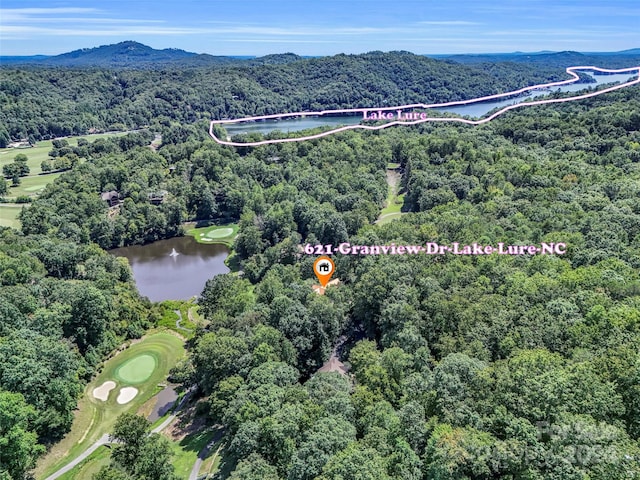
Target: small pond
column 174, row 269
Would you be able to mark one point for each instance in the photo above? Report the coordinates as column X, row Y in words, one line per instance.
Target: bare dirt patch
column 186, row 423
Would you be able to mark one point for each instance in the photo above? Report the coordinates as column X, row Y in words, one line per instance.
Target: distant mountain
column 119, row 54
column 123, row 54
column 131, row 54
column 553, row 59
column 632, row 51
column 276, row 59
column 5, row 60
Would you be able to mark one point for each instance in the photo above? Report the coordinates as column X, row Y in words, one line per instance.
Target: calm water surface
column 160, row 275
column 291, row 125
column 473, row 110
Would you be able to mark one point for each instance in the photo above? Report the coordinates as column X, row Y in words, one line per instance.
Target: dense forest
column 63, row 307
column 44, row 102
column 461, row 367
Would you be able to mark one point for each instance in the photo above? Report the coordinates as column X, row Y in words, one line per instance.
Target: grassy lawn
column 32, row 185
column 190, row 316
column 224, row 234
column 186, row 451
column 212, row 463
column 389, row 217
column 40, row 151
column 395, row 200
column 91, row 465
column 95, row 417
column 35, row 154
column 9, row 214
column 394, row 204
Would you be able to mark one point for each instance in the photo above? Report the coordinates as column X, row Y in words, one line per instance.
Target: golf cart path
column 179, row 321
column 106, row 440
column 202, row 455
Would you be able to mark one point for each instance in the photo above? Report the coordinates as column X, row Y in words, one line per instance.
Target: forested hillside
column 63, row 307
column 462, row 367
column 39, row 102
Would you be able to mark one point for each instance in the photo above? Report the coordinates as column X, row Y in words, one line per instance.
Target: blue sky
column 320, row 27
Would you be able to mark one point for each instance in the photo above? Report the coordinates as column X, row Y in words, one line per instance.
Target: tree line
column 42, row 103
column 461, row 367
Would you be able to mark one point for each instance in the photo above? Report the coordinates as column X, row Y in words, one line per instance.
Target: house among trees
column 112, row 198
column 334, row 365
column 156, row 198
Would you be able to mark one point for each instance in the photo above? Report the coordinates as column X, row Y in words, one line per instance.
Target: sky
column 321, row 27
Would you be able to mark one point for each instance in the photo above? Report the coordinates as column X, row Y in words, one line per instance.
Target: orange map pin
column 324, row 267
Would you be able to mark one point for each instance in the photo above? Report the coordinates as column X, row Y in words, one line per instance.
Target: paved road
column 203, row 455
column 105, row 440
column 172, row 417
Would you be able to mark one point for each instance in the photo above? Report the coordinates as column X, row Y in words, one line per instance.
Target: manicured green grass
column 91, row 465
column 218, row 233
column 388, row 218
column 32, row 185
column 35, row 155
column 136, row 370
column 186, row 451
column 394, row 202
column 40, row 151
column 9, row 214
column 95, row 417
column 224, row 234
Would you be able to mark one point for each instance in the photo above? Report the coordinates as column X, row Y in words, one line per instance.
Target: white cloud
column 115, row 31
column 27, row 14
column 131, row 27
column 273, row 40
column 450, row 23
column 79, row 20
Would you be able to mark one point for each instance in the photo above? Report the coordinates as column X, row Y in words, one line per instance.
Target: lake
column 174, row 269
column 482, row 108
column 473, row 110
column 291, row 124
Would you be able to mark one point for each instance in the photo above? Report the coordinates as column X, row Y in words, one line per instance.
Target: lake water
column 160, row 275
column 473, row 110
column 291, row 124
column 481, row 109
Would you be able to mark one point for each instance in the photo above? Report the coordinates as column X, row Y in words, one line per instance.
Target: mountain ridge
column 132, row 54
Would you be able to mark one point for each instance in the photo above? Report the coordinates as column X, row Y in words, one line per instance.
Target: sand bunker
column 102, row 392
column 126, row 395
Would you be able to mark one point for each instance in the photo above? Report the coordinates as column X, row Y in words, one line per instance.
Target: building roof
column 333, row 365
column 107, row 196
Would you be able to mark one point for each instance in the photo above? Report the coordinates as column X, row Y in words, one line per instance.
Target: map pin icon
column 324, row 267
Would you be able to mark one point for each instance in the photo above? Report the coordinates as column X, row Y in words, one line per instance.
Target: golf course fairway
column 143, row 365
